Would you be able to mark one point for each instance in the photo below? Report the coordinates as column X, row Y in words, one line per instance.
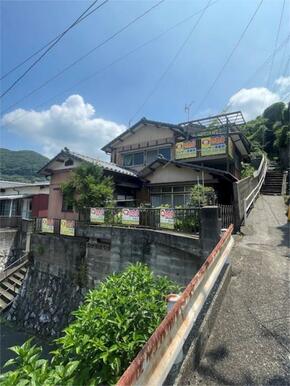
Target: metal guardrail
column 155, row 360
column 284, row 183
column 22, row 261
column 260, row 176
column 187, row 220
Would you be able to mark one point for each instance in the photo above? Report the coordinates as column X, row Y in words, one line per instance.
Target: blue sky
column 90, row 114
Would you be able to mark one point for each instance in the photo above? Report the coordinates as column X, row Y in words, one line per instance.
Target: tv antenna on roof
column 187, row 109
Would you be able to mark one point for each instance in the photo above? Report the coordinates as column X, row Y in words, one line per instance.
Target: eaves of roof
column 159, row 162
column 142, row 121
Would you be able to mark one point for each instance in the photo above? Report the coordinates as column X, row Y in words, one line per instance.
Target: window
column 69, row 162
column 152, row 155
column 67, row 205
column 139, row 158
column 171, row 195
column 178, row 200
column 5, row 207
column 128, row 159
column 165, row 152
column 134, row 159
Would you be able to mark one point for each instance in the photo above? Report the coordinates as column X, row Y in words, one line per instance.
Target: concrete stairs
column 273, row 180
column 10, row 282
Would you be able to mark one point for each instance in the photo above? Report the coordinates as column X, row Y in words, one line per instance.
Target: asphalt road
column 250, row 342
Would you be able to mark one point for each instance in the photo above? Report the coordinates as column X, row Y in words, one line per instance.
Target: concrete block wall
column 64, row 268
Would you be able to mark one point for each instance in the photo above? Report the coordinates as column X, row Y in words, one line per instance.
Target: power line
column 230, row 56
column 173, row 60
column 258, row 70
column 122, row 57
column 89, row 52
column 47, row 44
column 49, row 48
column 275, row 45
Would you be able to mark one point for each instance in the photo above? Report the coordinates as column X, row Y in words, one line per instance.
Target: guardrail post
column 210, row 228
column 245, row 211
column 284, row 183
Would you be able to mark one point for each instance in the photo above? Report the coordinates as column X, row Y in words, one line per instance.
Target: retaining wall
column 12, row 244
column 64, row 268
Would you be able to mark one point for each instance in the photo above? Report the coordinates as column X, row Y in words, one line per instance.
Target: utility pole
column 187, row 109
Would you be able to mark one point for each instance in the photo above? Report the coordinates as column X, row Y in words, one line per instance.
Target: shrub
column 110, row 328
column 202, row 195
column 247, row 170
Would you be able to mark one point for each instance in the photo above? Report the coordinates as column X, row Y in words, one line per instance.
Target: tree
column 202, row 195
column 270, row 132
column 88, row 187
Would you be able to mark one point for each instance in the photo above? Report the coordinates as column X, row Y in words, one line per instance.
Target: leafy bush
column 202, row 195
column 187, row 224
column 110, row 328
column 247, row 170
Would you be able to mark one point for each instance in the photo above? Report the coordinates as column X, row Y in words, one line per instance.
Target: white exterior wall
column 172, row 174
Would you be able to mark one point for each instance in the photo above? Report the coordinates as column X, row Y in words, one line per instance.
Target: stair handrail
column 284, row 183
column 5, row 273
column 261, row 173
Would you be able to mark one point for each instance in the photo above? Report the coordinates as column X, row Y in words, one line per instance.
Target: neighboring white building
column 23, row 199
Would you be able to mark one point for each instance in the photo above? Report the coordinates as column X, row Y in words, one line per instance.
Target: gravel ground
column 250, row 342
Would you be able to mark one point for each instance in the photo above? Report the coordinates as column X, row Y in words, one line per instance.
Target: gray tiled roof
column 15, row 184
column 105, row 165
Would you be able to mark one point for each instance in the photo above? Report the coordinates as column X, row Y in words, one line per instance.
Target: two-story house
column 171, row 158
column 157, row 163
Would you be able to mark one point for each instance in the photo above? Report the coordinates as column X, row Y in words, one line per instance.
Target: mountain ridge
column 21, row 165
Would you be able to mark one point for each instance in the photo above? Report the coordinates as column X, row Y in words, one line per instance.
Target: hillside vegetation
column 270, row 132
column 21, row 165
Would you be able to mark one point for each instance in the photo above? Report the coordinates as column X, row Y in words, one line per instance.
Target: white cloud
column 283, row 84
column 252, row 101
column 72, row 124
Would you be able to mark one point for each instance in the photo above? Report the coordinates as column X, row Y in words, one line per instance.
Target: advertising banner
column 213, row 145
column 185, row 149
column 97, row 215
column 167, row 218
column 130, row 216
column 47, row 225
column 67, row 227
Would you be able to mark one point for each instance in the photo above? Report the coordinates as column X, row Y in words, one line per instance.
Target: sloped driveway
column 250, row 342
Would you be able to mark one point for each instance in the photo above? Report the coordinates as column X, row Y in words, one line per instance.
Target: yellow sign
column 186, row 149
column 47, row 225
column 213, row 145
column 67, row 227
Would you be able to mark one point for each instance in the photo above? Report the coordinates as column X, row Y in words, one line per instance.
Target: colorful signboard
column 185, row 149
column 167, row 218
column 130, row 216
column 213, row 145
column 47, row 225
column 97, row 215
column 67, row 227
